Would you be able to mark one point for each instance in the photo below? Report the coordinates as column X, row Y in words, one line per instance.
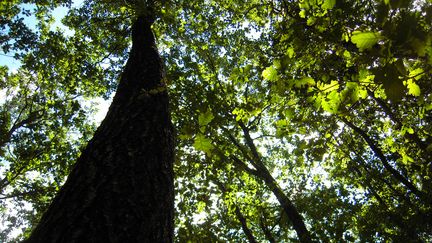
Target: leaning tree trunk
column 121, row 188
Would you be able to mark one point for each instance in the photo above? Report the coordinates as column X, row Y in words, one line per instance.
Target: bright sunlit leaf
column 328, row 4
column 270, row 74
column 365, row 40
column 413, row 88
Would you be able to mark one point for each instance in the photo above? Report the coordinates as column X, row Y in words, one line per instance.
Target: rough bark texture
column 121, row 188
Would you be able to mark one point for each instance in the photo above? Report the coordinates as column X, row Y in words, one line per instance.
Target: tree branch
column 378, row 152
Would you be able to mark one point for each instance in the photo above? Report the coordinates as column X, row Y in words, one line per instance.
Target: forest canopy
column 293, row 119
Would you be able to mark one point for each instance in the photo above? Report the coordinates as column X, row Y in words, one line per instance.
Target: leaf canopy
column 270, row 100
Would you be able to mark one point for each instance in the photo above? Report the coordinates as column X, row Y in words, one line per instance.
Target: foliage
column 44, row 108
column 320, row 103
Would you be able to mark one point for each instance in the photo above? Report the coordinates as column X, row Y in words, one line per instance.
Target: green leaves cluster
column 336, row 108
column 293, row 99
column 44, row 108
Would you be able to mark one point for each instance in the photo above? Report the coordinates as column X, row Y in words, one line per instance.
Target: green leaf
column 328, row 4
column 362, row 93
column 416, row 73
column 281, row 123
column 327, row 88
column 400, row 67
column 270, row 74
column 410, row 130
column 347, row 54
column 307, row 81
column 413, row 88
column 240, row 114
column 331, row 102
column 202, row 143
column 200, row 206
column 365, row 40
column 302, row 13
column 205, row 118
column 184, row 136
column 290, row 52
column 392, row 84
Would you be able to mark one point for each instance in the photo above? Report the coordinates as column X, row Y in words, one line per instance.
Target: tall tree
column 121, row 188
column 315, row 123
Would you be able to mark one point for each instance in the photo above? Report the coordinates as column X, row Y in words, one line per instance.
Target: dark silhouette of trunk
column 121, row 188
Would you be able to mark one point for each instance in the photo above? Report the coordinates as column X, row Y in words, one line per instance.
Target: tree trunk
column 121, row 188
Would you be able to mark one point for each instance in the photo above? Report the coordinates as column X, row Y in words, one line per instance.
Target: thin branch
column 414, row 137
column 378, row 152
column 286, row 203
column 266, row 230
column 240, row 216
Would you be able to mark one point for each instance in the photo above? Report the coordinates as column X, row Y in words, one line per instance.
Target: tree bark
column 121, row 188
